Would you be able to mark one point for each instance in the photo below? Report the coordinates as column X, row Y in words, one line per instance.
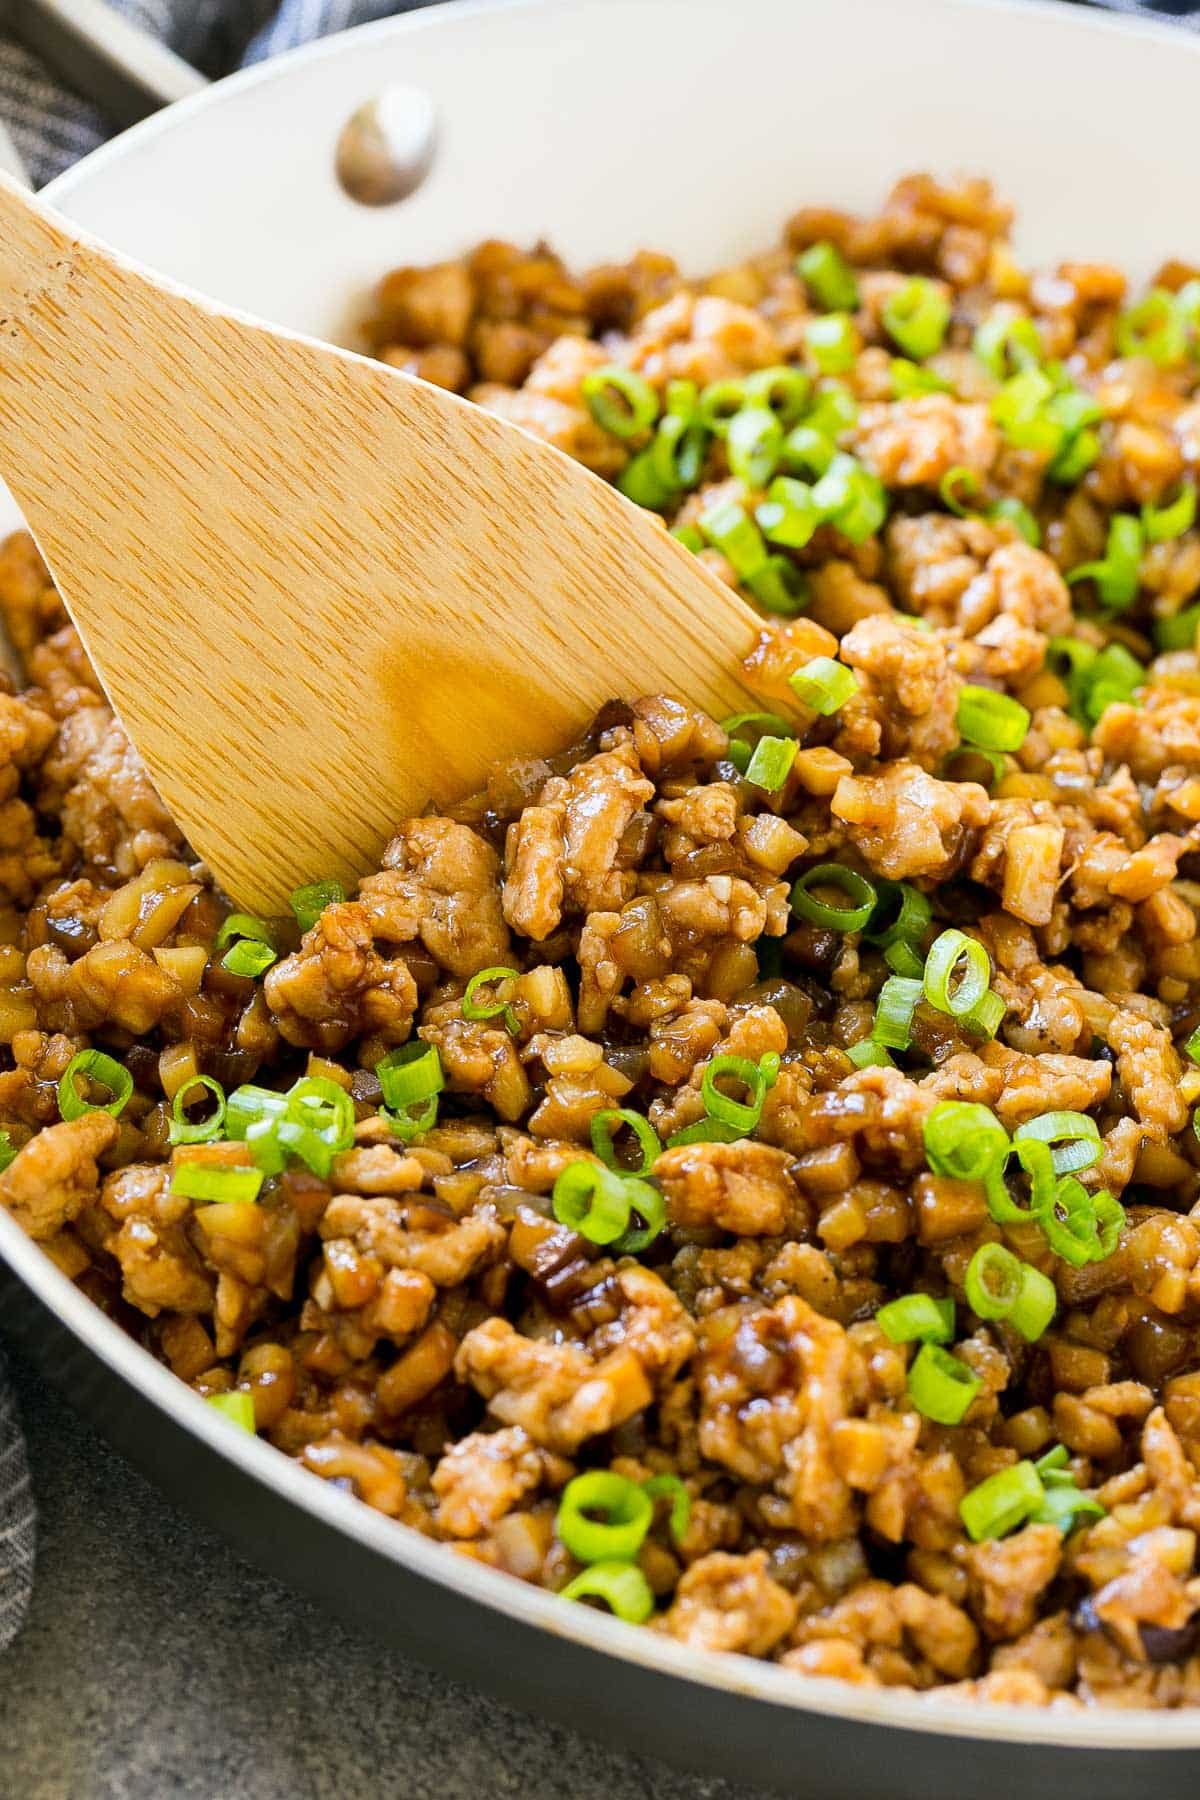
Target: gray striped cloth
column 52, row 129
column 16, row 1518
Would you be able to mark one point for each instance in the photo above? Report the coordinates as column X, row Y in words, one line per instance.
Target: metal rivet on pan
column 385, row 149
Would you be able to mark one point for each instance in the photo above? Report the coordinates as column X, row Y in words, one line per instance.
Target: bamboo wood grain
column 319, row 593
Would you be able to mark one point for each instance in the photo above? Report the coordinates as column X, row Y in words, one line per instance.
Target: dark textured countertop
column 157, row 1666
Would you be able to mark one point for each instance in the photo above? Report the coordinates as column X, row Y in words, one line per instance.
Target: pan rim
column 1099, row 1728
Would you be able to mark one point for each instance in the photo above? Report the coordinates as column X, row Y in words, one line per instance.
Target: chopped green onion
column 916, row 316
column 681, row 400
column 992, row 1281
column 621, row 401
column 1002, row 344
column 237, row 1407
column 1070, row 658
column 244, row 925
column 689, row 537
column 622, row 1587
column 828, row 276
column 894, row 1011
column 730, row 530
column 1095, row 679
column 705, row 1131
column 856, row 887
column 1036, row 1304
column 902, row 914
column 1110, row 1222
column 1192, row 1049
column 599, row 1203
column 1002, row 1502
column 1035, row 1161
column 1018, row 514
column 1161, row 523
column 917, row 1319
column 478, row 1010
column 909, row 379
column 248, row 1104
column 8, row 1151
column 832, row 342
column 866, row 1054
column 772, row 759
column 604, row 1127
column 789, row 515
column 647, row 1204
column 1068, row 1220
column 823, row 684
column 1178, row 631
column 1073, row 408
column 1066, row 1506
column 308, row 903
column 991, row 720
column 971, row 762
column 834, row 409
column 1112, row 679
column 718, row 403
column 248, row 958
column 272, row 1141
column 807, row 450
column 670, row 1487
column 963, row 1140
column 1053, row 1460
column 641, row 481
column 957, row 972
column 902, row 959
column 986, row 1016
column 414, row 1121
column 957, row 487
column 1116, row 575
column 1076, row 457
column 603, row 1517
column 411, row 1073
column 1019, row 408
column 742, row 1115
column 851, row 498
column 781, row 388
column 324, row 1107
column 778, row 587
column 765, row 723
column 183, row 1130
column 1154, row 328
column 1080, row 1227
column 592, row 1200
column 753, row 443
column 410, row 1081
column 676, row 453
column 1000, row 1286
column 312, row 1122
column 940, row 1386
column 105, row 1072
column 209, row 1182
column 1075, row 1132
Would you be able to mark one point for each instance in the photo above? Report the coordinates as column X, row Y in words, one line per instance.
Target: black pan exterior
column 711, row 1730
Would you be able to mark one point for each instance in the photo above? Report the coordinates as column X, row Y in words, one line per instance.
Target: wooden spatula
column 319, row 593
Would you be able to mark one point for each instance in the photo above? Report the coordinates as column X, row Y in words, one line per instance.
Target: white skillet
column 694, row 126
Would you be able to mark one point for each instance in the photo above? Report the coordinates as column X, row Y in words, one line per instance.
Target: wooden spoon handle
column 319, row 593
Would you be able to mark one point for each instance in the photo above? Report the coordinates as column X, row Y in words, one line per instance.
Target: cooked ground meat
column 431, row 1306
